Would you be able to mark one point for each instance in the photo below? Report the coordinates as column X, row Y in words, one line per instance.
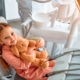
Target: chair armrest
column 25, row 27
column 7, row 77
column 26, row 22
column 33, row 38
column 2, row 19
column 4, row 78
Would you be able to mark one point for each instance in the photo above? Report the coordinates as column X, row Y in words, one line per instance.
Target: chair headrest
column 2, row 19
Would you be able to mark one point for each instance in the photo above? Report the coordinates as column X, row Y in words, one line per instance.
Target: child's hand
column 40, row 43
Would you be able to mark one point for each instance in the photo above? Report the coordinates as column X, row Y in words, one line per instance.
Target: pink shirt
column 25, row 70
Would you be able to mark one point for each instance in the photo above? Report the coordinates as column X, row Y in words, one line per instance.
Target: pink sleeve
column 13, row 60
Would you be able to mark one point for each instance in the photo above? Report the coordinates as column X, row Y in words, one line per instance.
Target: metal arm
column 25, row 26
column 71, row 34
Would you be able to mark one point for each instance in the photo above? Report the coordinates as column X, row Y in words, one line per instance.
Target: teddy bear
column 26, row 50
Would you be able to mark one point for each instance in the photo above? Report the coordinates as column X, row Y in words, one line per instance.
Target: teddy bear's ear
column 15, row 51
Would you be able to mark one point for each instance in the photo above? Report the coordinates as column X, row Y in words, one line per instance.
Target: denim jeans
column 17, row 77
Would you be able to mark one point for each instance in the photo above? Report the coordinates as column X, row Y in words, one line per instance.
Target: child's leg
column 36, row 73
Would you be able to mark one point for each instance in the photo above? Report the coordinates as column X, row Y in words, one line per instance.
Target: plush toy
column 26, row 50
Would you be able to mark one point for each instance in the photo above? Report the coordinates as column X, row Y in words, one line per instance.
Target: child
column 8, row 38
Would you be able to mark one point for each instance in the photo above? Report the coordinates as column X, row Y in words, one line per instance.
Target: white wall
column 11, row 9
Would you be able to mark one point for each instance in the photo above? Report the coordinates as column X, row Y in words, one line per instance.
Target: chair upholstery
column 17, row 77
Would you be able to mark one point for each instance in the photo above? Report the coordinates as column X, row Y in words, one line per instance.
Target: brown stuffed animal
column 25, row 49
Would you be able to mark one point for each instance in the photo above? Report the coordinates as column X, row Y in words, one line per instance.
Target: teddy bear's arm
column 40, row 63
column 15, row 51
column 41, row 54
column 27, row 57
column 32, row 43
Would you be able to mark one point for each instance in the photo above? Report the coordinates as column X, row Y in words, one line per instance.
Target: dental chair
column 65, row 33
column 62, row 63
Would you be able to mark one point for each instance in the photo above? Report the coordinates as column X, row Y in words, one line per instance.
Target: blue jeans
column 17, row 77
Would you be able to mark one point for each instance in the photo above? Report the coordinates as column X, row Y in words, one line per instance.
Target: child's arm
column 13, row 61
column 39, row 43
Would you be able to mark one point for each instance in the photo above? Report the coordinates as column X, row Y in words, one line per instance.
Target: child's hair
column 4, row 25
